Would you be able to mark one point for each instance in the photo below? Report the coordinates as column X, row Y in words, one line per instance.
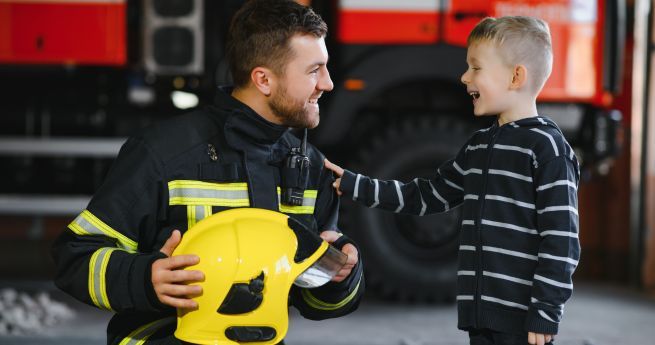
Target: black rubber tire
column 409, row 258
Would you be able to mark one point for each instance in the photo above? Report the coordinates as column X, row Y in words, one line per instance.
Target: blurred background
column 77, row 77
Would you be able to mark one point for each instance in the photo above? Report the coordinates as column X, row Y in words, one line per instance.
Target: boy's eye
column 475, row 68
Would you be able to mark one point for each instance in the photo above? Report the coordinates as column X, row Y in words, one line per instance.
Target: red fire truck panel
column 81, row 32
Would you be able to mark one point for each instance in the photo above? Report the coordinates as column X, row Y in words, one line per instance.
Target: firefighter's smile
column 314, row 101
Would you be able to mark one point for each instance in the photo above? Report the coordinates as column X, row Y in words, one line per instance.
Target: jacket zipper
column 478, row 246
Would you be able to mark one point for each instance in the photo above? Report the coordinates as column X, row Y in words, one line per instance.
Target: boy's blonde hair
column 520, row 41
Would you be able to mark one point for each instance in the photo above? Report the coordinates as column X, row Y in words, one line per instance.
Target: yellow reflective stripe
column 191, row 184
column 208, row 201
column 191, row 216
column 97, row 277
column 315, row 303
column 197, row 213
column 208, row 211
column 199, row 193
column 141, row 334
column 296, row 209
column 308, row 203
column 88, row 224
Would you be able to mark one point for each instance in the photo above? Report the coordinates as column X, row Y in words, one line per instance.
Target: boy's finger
column 335, row 168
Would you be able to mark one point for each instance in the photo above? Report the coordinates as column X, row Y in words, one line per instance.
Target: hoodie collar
column 534, row 121
column 243, row 119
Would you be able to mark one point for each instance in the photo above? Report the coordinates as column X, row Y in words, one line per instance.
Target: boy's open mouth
column 474, row 94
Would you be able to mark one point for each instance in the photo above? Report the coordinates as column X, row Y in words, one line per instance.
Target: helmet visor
column 323, row 270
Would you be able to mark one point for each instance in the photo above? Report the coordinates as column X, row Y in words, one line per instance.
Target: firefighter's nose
column 326, row 83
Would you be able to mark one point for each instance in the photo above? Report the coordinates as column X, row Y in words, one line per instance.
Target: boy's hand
column 338, row 171
column 170, row 280
column 538, row 338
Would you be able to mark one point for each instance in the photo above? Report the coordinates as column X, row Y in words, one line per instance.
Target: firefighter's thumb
column 171, row 243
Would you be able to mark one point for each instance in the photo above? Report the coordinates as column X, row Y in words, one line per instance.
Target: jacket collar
column 244, row 120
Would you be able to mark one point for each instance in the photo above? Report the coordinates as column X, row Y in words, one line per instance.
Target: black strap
column 342, row 241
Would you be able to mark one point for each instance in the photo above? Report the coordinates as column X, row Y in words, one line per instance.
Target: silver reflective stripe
column 141, row 334
column 199, row 193
column 190, row 193
column 88, row 224
column 196, row 213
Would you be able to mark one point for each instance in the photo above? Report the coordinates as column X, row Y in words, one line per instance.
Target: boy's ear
column 519, row 77
column 261, row 77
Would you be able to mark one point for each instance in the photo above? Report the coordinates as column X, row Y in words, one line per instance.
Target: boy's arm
column 556, row 185
column 418, row 197
column 333, row 299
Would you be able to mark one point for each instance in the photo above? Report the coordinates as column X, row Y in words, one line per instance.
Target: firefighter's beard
column 293, row 112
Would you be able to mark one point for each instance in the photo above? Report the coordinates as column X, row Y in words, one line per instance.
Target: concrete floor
column 596, row 315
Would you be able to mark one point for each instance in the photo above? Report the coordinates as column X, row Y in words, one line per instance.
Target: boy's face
column 487, row 79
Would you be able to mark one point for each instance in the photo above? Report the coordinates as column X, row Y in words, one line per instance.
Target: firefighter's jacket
column 170, row 177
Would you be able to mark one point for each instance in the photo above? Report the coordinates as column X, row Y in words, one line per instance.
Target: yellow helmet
column 250, row 258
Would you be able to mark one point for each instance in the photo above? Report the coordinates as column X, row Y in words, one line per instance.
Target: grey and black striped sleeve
column 556, row 184
column 417, row 197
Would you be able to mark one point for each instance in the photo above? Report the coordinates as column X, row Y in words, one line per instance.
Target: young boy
column 517, row 183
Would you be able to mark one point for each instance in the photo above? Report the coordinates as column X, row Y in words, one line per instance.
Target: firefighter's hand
column 170, row 280
column 338, row 171
column 538, row 338
column 348, row 249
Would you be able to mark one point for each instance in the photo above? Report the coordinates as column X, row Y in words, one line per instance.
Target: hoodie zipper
column 478, row 249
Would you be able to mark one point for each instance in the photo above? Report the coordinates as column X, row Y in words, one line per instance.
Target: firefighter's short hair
column 521, row 41
column 260, row 35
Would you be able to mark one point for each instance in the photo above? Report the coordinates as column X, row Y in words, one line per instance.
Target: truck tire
column 409, row 258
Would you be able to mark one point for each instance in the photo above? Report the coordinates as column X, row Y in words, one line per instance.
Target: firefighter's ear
column 519, row 77
column 261, row 78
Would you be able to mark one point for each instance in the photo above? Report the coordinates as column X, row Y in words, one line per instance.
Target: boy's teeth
column 474, row 94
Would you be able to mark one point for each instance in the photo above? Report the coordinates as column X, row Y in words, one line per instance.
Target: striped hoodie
column 517, row 186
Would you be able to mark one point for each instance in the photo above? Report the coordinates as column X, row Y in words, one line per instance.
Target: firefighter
column 239, row 152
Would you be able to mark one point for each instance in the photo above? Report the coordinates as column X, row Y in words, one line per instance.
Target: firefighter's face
column 487, row 79
column 294, row 98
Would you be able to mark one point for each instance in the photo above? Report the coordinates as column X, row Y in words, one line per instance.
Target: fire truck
column 79, row 76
